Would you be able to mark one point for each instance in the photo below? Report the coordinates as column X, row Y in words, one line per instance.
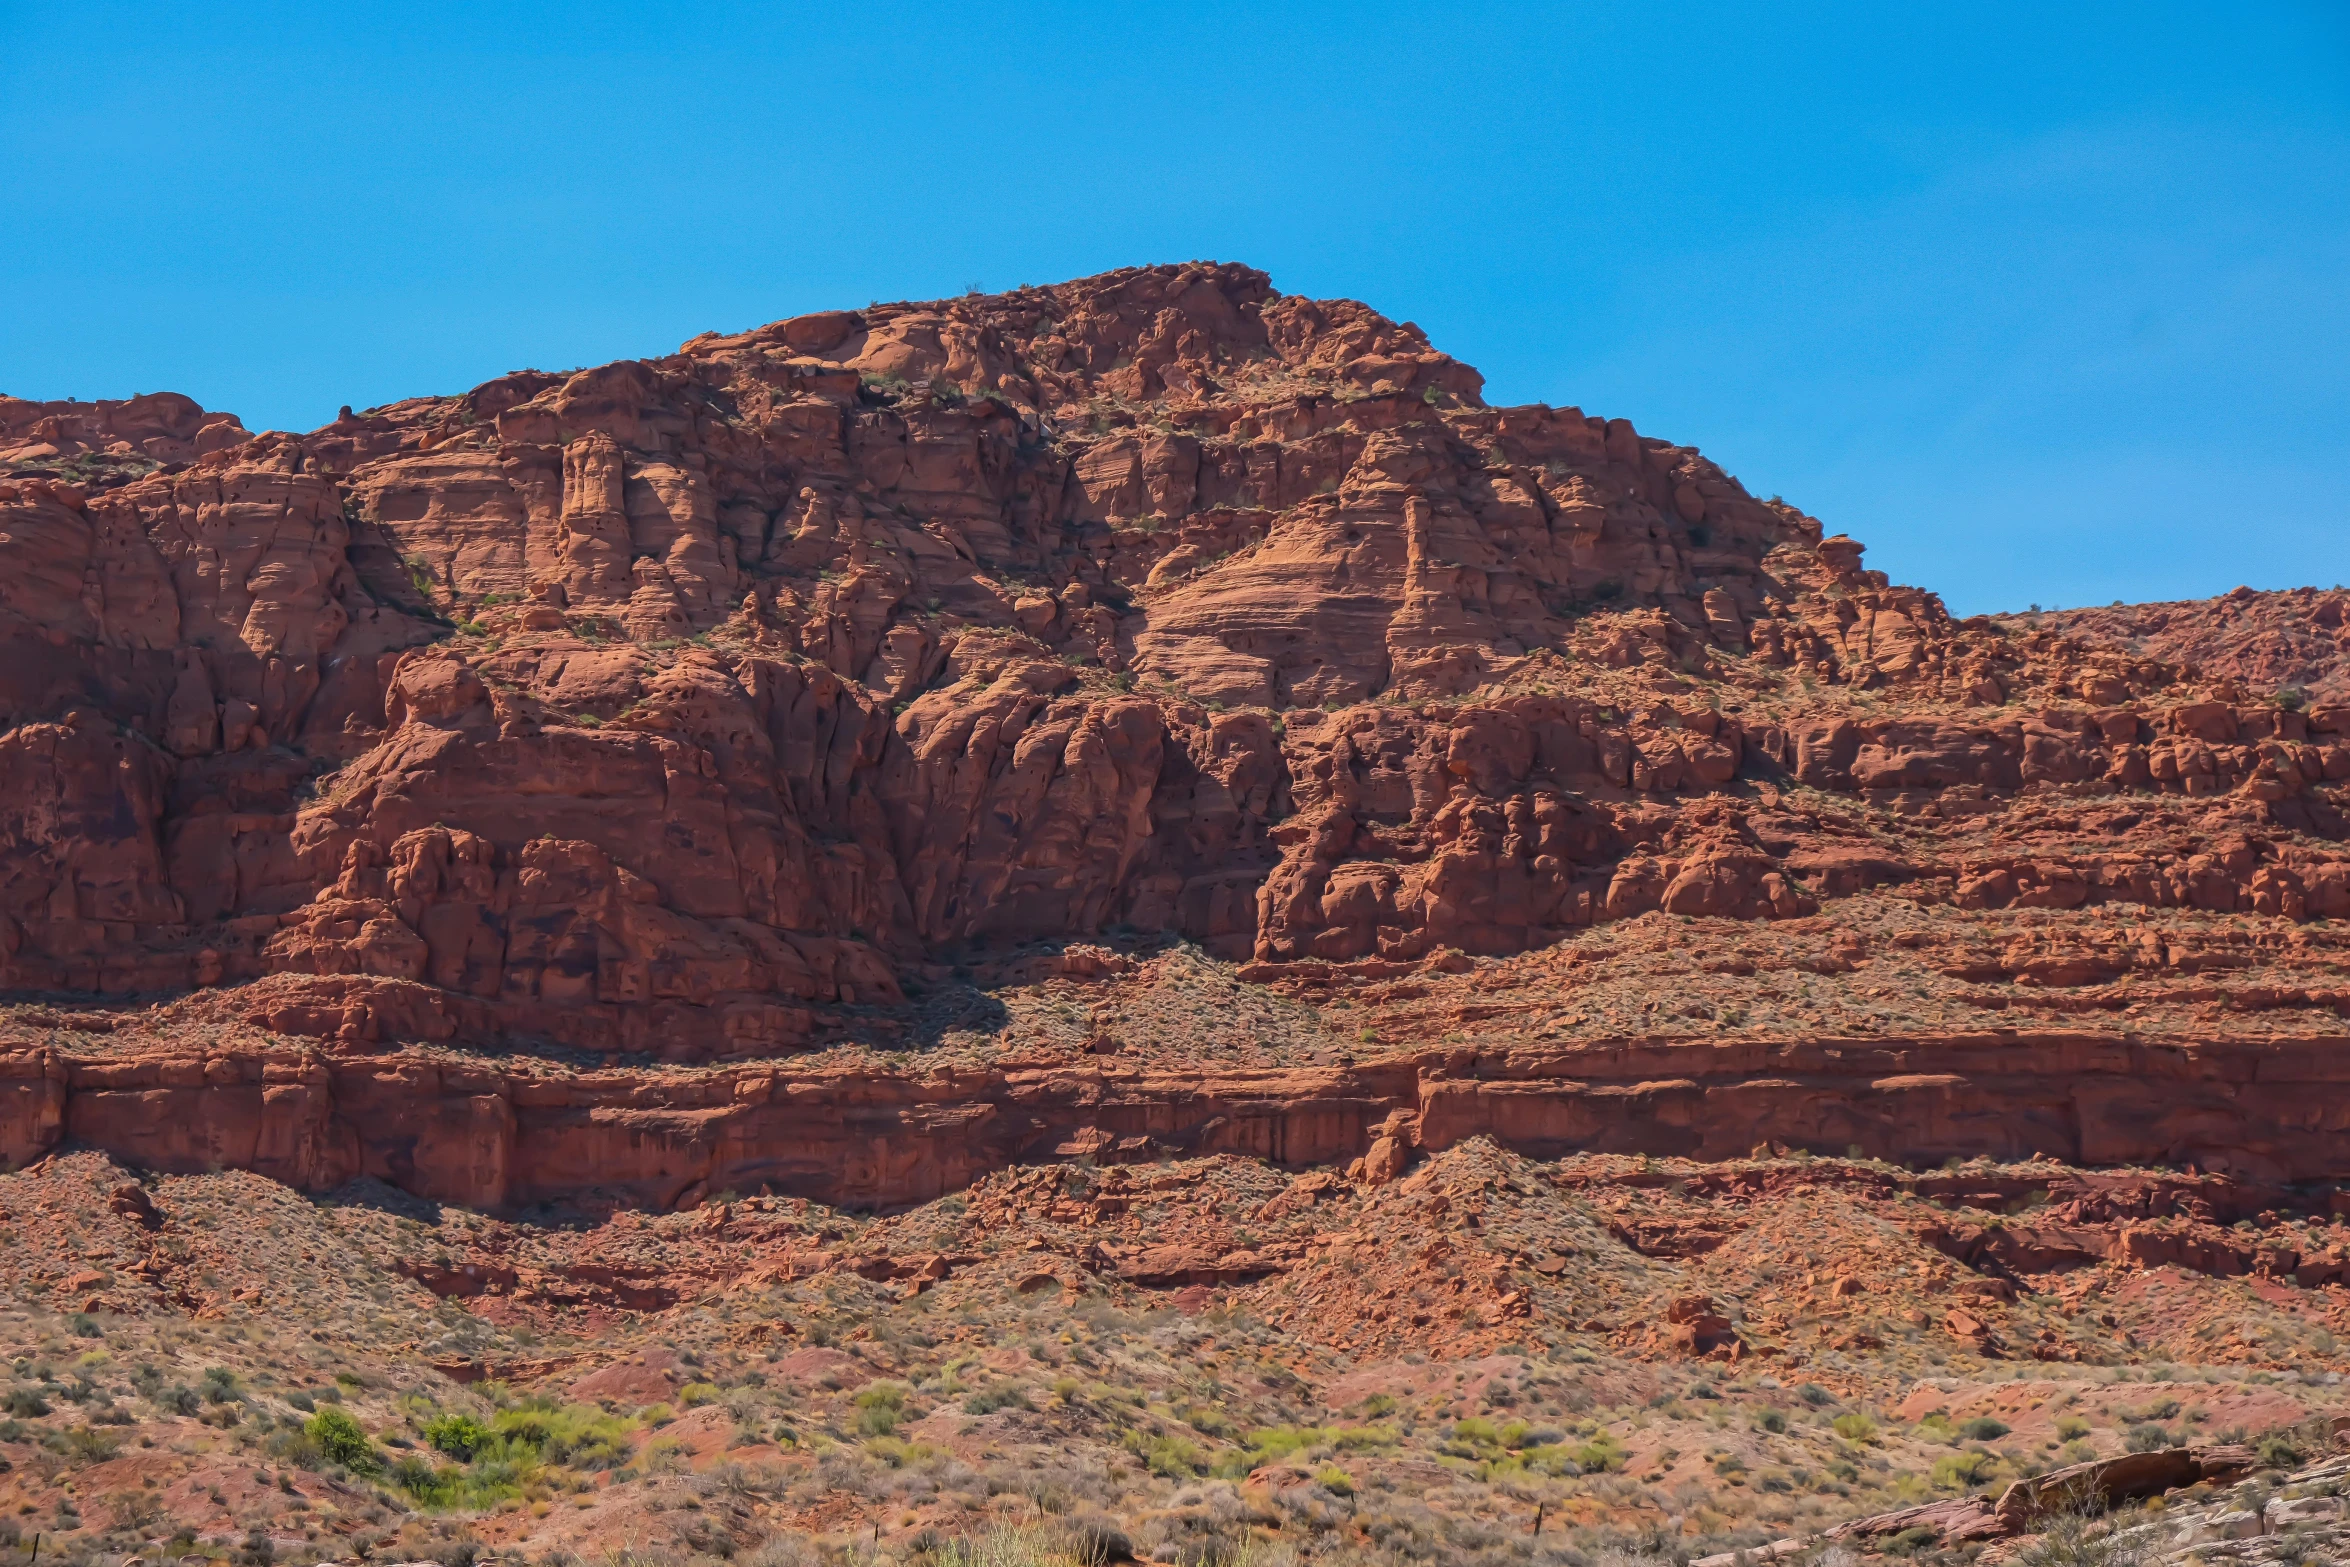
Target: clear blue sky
column 2046, row 303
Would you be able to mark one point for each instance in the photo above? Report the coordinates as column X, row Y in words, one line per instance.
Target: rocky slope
column 1493, row 1360
column 2295, row 644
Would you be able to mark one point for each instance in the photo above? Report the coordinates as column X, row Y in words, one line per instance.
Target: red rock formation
column 692, row 706
column 2296, row 640
column 112, row 439
column 487, row 1135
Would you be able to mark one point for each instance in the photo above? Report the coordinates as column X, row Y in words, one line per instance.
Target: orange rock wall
column 488, row 1137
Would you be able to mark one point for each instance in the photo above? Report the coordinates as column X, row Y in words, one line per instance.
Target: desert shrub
column 1982, row 1429
column 1601, row 1454
column 880, row 1408
column 91, row 1446
column 2277, row 1452
column 1959, row 1471
column 339, row 1437
column 2078, row 1535
column 26, row 1402
column 1201, row 1527
column 1474, row 1432
column 1363, row 1439
column 695, row 1394
column 541, row 1431
column 451, row 1489
column 2146, row 1438
column 1854, row 1427
column 1006, row 1395
column 1771, row 1420
column 1006, row 1545
column 297, row 1446
column 784, row 1550
column 459, row 1436
column 2071, row 1428
column 220, row 1385
column 1163, row 1453
column 898, row 1453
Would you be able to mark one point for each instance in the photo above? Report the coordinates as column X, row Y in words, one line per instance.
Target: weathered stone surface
column 491, row 1136
column 687, row 706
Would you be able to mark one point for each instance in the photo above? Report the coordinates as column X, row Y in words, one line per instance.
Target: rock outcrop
column 491, row 1135
column 2295, row 642
column 678, row 704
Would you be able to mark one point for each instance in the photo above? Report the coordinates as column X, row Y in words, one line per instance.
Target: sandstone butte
column 643, row 781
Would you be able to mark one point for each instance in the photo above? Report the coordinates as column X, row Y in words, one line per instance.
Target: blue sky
column 2045, row 303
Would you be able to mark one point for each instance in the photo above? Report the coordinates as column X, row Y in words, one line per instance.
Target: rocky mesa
column 1118, row 921
column 728, row 704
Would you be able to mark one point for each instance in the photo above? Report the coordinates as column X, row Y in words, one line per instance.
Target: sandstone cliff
column 678, row 703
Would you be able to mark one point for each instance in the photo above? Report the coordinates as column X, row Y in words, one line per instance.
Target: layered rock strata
column 715, row 707
column 490, row 1135
column 676, row 704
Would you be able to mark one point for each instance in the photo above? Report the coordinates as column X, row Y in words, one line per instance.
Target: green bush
column 338, row 1436
column 1363, row 1439
column 2146, row 1439
column 505, row 1456
column 459, row 1436
column 1175, row 1457
column 1273, row 1443
column 1854, row 1427
column 880, row 1408
column 1982, row 1429
column 2276, row 1452
column 541, row 1431
column 91, row 1446
column 1009, row 1395
column 1601, row 1454
column 1474, row 1432
column 1206, row 1420
column 2071, row 1428
column 1960, row 1471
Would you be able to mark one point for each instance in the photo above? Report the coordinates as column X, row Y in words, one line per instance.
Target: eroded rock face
column 677, row 704
column 2297, row 640
column 488, row 1136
